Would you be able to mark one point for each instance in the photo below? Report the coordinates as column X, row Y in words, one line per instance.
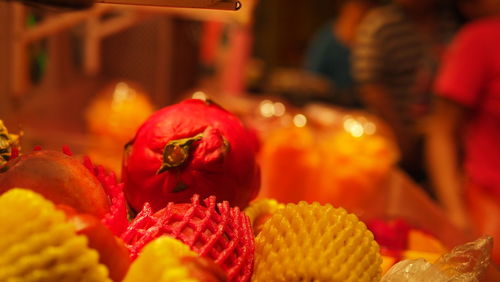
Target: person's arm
column 459, row 85
column 443, row 149
column 377, row 99
column 316, row 57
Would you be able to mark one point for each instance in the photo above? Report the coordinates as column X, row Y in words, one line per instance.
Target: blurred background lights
column 354, row 127
column 267, row 108
column 121, row 93
column 370, row 128
column 200, row 95
column 279, row 109
column 300, row 120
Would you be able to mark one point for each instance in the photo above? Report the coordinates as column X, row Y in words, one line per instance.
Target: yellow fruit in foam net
column 159, row 261
column 260, row 211
column 38, row 244
column 311, row 242
column 261, row 208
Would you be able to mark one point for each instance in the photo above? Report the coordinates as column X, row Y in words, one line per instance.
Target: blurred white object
column 465, row 263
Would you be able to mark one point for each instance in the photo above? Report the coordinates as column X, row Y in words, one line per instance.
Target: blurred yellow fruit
column 118, row 111
column 387, row 262
column 352, row 168
column 159, row 261
column 343, row 165
column 428, row 256
column 112, row 118
column 288, row 160
column 423, row 242
column 259, row 211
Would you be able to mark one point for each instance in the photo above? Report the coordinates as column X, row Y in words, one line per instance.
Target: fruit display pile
column 183, row 209
column 300, row 163
column 322, row 154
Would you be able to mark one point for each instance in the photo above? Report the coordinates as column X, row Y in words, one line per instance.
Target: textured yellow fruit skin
column 37, row 244
column 311, row 242
column 159, row 261
column 262, row 207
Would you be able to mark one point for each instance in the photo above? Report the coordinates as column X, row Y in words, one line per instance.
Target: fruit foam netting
column 116, row 219
column 213, row 230
column 39, row 245
column 160, row 261
column 311, row 242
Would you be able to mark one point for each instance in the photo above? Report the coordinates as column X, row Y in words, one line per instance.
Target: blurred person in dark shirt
column 329, row 52
column 464, row 136
column 396, row 54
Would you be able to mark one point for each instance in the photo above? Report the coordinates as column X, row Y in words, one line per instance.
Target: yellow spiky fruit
column 37, row 244
column 260, row 211
column 159, row 261
column 262, row 207
column 311, row 242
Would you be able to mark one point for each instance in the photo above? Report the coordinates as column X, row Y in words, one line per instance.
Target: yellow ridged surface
column 159, row 262
column 311, row 242
column 37, row 244
column 262, row 207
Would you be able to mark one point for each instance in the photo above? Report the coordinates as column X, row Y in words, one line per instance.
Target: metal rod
column 204, row 4
column 84, row 4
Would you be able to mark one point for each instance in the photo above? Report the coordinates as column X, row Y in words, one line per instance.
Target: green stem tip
column 176, row 152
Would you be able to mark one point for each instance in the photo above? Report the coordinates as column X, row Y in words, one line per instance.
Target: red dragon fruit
column 191, row 147
column 213, row 230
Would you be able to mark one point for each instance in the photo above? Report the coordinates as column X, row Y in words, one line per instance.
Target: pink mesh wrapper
column 213, row 230
column 116, row 219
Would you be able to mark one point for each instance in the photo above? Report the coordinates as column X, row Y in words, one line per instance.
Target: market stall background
column 58, row 65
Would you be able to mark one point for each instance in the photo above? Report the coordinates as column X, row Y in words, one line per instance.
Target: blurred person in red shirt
column 464, row 134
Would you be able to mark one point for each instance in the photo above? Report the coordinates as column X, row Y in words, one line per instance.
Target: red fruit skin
column 228, row 172
column 112, row 251
column 392, row 235
column 395, row 254
column 213, row 230
column 58, row 177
